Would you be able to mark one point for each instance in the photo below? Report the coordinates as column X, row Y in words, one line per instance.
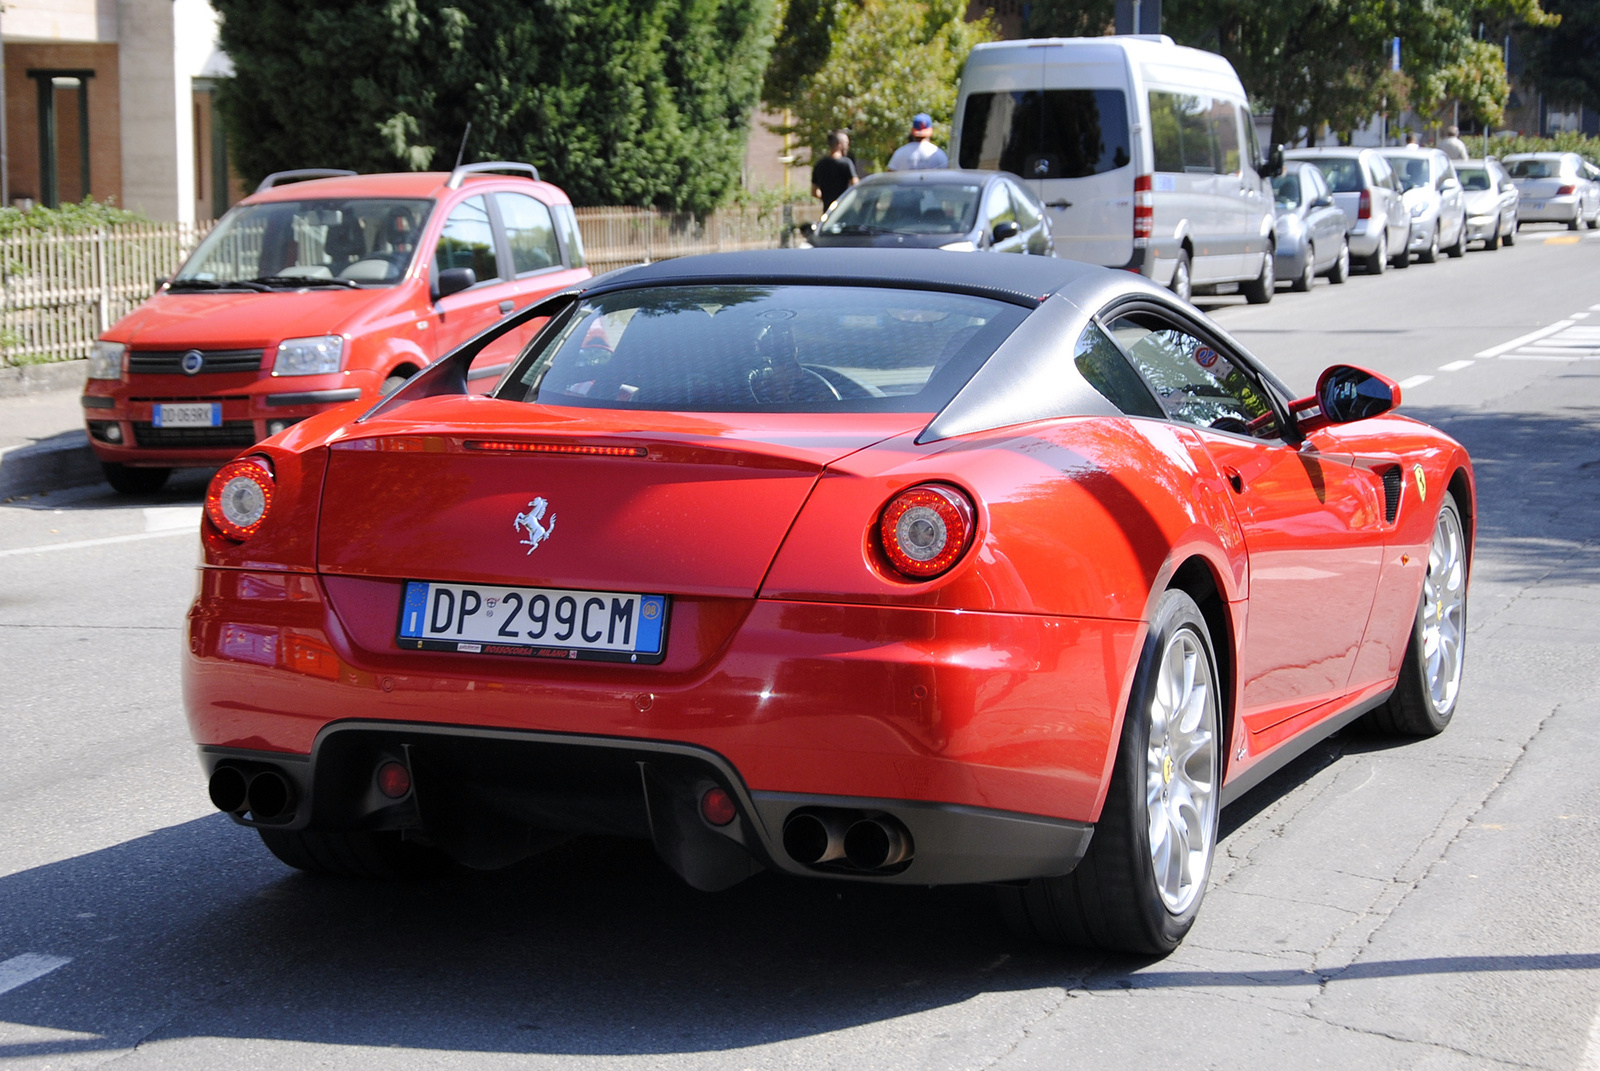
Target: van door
column 1234, row 187
column 1071, row 147
column 1185, row 180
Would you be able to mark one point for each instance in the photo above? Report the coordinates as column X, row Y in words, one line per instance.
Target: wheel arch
column 1461, row 488
column 1197, row 578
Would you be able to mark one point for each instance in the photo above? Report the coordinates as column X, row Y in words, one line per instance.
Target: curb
column 38, row 378
column 63, row 460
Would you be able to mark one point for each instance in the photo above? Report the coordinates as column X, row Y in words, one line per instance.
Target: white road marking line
column 1591, row 1052
column 1523, row 340
column 106, row 542
column 1538, row 357
column 1456, row 366
column 168, row 518
column 1594, row 308
column 1414, row 381
column 1577, row 316
column 20, row 970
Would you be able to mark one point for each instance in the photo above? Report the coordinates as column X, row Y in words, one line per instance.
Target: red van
column 321, row 288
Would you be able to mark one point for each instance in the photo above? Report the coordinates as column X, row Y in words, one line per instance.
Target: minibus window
column 1046, row 134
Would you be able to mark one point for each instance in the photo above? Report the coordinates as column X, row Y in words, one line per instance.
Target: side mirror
column 1008, row 229
column 1272, row 166
column 1322, row 202
column 453, row 281
column 1344, row 394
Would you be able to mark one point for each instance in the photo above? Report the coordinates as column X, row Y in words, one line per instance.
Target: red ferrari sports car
column 875, row 566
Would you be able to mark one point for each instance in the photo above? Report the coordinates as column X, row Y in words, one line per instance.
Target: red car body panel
column 385, row 328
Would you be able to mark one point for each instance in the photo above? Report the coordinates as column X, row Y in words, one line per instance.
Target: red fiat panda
column 321, row 288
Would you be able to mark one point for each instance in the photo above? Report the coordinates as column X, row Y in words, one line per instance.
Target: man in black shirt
column 834, row 173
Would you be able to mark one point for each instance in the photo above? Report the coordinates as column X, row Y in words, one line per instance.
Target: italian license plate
column 189, row 415
column 605, row 626
column 1538, row 206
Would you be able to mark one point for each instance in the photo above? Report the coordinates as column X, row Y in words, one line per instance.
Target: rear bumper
column 917, row 709
column 1549, row 210
column 490, row 796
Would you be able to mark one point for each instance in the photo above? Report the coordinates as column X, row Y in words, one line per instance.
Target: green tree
column 1068, row 18
column 887, row 60
column 618, row 101
column 1565, row 63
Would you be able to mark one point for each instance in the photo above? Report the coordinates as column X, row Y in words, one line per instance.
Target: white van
column 1144, row 152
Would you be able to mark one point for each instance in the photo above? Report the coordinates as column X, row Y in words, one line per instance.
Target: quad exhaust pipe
column 834, row 839
column 266, row 794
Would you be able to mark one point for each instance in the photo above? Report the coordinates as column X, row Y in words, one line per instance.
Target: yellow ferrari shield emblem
column 1422, row 482
column 1166, row 769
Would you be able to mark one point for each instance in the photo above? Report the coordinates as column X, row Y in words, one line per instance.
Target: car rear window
column 1342, row 172
column 765, row 348
column 1046, row 134
column 914, row 208
column 1534, row 168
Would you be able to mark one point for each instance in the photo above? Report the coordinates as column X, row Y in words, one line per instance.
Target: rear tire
column 131, row 481
column 1260, row 290
column 1182, row 279
column 1341, row 266
column 1124, row 896
column 1459, row 250
column 367, row 855
column 1574, row 222
column 1425, row 696
column 1308, row 276
column 1402, row 259
column 1378, row 262
column 1491, row 243
column 1511, row 235
column 1431, row 254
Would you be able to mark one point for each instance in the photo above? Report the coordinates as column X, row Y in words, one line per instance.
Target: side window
column 1180, row 131
column 567, row 224
column 1252, row 142
column 997, row 205
column 1108, row 371
column 530, row 233
column 1319, row 185
column 1027, row 214
column 468, row 241
column 1224, row 119
column 1196, row 383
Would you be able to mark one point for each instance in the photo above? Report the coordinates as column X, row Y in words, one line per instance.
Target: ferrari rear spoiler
column 449, row 374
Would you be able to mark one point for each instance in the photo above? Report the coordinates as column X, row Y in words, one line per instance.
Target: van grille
column 232, row 433
column 170, row 362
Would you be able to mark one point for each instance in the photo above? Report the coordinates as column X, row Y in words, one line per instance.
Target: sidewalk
column 43, row 445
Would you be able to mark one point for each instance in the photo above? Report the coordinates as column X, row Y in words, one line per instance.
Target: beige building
column 112, row 99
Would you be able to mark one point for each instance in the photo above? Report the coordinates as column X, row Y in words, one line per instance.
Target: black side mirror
column 1008, row 229
column 1347, row 393
column 1272, row 166
column 453, row 281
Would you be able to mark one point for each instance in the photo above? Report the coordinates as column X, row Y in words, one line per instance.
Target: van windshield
column 1046, row 134
column 367, row 241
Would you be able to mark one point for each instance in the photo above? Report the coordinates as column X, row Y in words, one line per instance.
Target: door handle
column 1235, row 480
column 1058, row 204
column 506, row 306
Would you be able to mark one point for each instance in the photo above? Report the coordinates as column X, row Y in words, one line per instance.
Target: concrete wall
column 60, row 20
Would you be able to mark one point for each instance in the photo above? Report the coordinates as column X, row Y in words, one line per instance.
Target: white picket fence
column 59, row 292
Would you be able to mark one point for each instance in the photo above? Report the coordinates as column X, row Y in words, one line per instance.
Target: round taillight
column 926, row 529
column 394, row 780
column 239, row 498
column 717, row 807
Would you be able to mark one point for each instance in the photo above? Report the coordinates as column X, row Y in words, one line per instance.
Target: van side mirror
column 453, row 281
column 1007, row 229
column 1345, row 393
column 1272, row 166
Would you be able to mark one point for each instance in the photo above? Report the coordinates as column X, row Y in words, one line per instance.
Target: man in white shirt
column 1452, row 144
column 920, row 153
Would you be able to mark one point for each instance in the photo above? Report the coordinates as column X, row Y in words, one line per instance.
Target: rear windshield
column 765, row 348
column 920, row 208
column 1286, row 189
column 1343, row 173
column 367, row 241
column 1534, row 168
column 1046, row 134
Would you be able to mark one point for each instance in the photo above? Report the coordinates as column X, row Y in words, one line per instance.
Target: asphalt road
column 1376, row 905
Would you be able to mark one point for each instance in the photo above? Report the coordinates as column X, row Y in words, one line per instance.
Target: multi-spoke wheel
column 1430, row 680
column 1139, row 887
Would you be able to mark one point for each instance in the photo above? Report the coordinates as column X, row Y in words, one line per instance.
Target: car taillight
column 1144, row 210
column 925, row 529
column 239, row 498
column 1364, row 209
column 1566, row 191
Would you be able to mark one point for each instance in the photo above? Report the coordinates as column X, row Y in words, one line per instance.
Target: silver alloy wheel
column 1444, row 611
column 1181, row 287
column 1181, row 771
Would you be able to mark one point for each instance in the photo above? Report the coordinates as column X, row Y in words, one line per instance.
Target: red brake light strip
column 556, row 448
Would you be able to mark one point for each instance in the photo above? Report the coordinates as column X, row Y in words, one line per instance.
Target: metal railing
column 60, row 292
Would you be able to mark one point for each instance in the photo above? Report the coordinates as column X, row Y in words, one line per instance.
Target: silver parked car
column 963, row 211
column 1376, row 220
column 1309, row 228
column 1491, row 199
column 1556, row 187
column 1432, row 194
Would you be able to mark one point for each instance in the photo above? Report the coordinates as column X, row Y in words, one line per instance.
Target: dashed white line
column 1591, row 1052
column 1456, row 366
column 20, row 970
column 1414, row 381
column 1577, row 316
column 105, row 542
column 1531, row 336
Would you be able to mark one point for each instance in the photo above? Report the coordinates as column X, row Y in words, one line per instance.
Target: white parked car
column 1556, row 187
column 1492, row 201
column 1144, row 153
column 1377, row 222
column 1432, row 194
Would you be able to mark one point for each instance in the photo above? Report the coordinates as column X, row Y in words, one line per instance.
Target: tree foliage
column 1564, row 63
column 1068, row 18
column 618, row 101
column 887, row 60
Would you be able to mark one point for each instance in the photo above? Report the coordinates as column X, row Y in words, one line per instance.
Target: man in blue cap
column 920, row 153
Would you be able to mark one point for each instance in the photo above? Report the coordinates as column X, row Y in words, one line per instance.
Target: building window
column 63, row 135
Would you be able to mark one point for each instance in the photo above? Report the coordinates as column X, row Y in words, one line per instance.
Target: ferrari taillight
column 240, row 497
column 1144, row 209
column 925, row 530
column 1364, row 206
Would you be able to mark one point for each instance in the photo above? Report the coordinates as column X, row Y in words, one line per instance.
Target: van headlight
column 309, row 356
column 105, row 360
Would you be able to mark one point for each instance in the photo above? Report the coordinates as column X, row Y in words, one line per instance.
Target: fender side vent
column 1391, row 492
